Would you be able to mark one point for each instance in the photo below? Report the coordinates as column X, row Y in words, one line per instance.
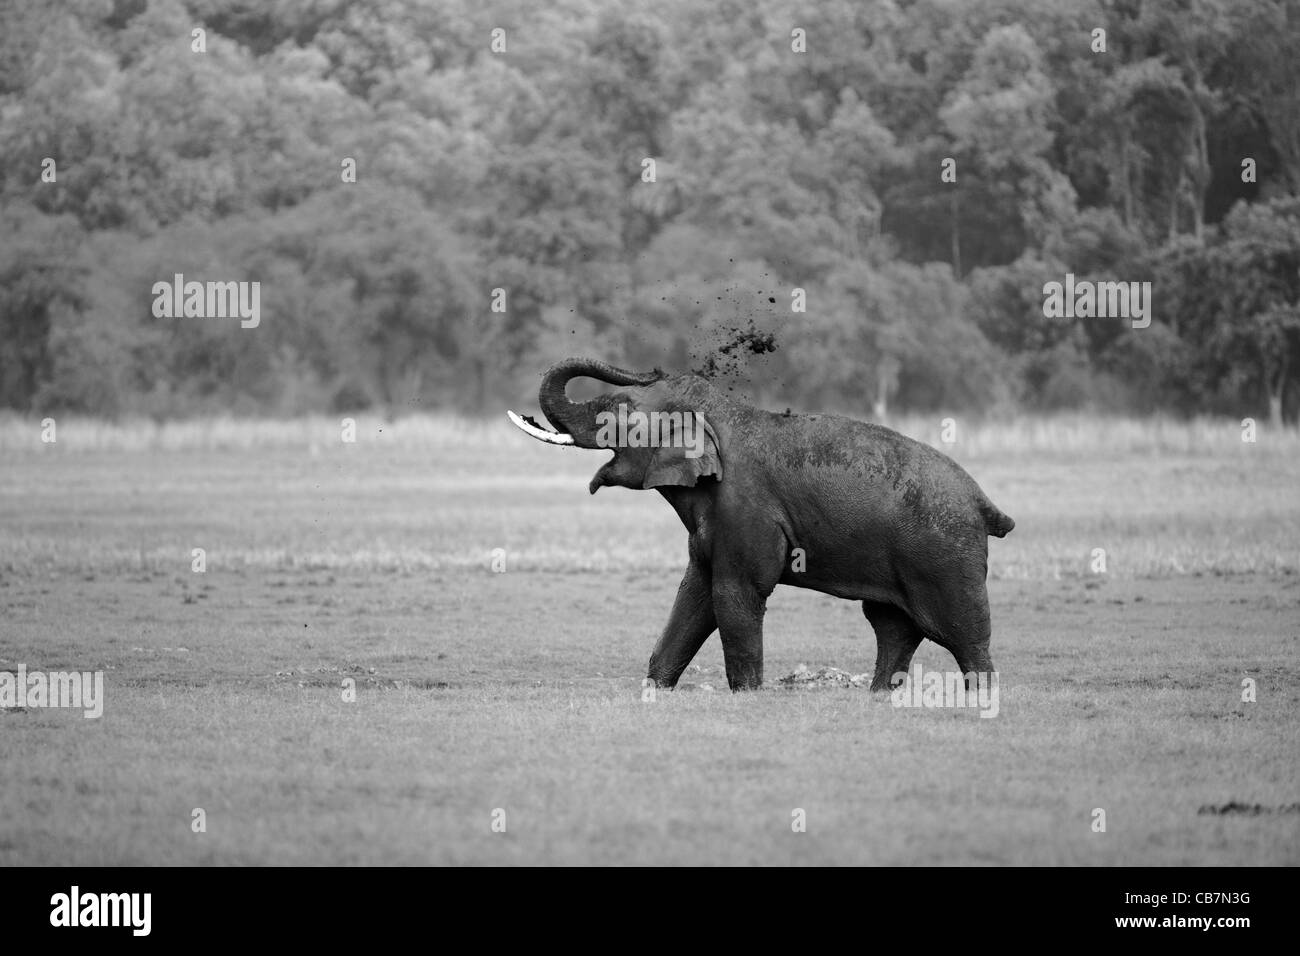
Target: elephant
column 815, row 501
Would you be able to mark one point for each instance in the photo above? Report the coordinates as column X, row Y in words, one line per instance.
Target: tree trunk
column 886, row 383
column 956, row 236
column 1173, row 205
column 1201, row 172
column 1201, row 179
column 1276, row 389
column 480, row 386
column 1125, row 184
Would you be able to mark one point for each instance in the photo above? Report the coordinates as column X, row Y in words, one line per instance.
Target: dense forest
column 440, row 199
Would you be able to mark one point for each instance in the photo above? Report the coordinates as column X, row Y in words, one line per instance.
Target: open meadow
column 514, row 696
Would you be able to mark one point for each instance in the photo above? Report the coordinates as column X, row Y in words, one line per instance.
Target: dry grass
column 520, row 690
column 1075, row 434
column 442, row 493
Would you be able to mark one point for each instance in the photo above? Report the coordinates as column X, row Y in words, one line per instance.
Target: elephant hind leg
column 958, row 620
column 897, row 638
column 974, row 657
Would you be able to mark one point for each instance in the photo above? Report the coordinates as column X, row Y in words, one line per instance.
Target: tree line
column 440, row 200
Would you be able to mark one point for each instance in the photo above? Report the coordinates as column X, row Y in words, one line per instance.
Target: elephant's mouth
column 528, row 425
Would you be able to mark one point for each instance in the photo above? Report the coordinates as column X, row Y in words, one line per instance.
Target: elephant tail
column 995, row 522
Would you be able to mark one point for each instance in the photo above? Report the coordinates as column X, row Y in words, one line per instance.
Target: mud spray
column 728, row 359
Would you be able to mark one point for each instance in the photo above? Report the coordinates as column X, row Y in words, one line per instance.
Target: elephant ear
column 691, row 455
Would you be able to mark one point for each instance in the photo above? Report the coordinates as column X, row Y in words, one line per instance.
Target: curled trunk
column 579, row 419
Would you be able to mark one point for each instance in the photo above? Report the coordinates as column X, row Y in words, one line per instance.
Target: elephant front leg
column 739, row 607
column 689, row 626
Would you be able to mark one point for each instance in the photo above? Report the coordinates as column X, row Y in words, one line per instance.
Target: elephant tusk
column 529, row 426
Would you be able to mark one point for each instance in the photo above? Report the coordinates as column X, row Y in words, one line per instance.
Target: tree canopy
column 440, row 200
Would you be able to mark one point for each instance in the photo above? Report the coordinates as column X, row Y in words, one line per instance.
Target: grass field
column 519, row 691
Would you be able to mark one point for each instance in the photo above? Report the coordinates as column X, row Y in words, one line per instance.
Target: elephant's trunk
column 573, row 418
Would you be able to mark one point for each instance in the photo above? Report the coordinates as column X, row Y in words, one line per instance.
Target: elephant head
column 656, row 425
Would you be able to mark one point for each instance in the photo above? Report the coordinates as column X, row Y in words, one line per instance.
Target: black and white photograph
column 614, row 433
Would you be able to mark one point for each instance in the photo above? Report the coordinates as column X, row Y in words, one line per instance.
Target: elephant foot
column 745, row 678
column 885, row 681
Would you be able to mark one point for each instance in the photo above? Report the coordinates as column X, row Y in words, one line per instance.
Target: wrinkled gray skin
column 881, row 519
